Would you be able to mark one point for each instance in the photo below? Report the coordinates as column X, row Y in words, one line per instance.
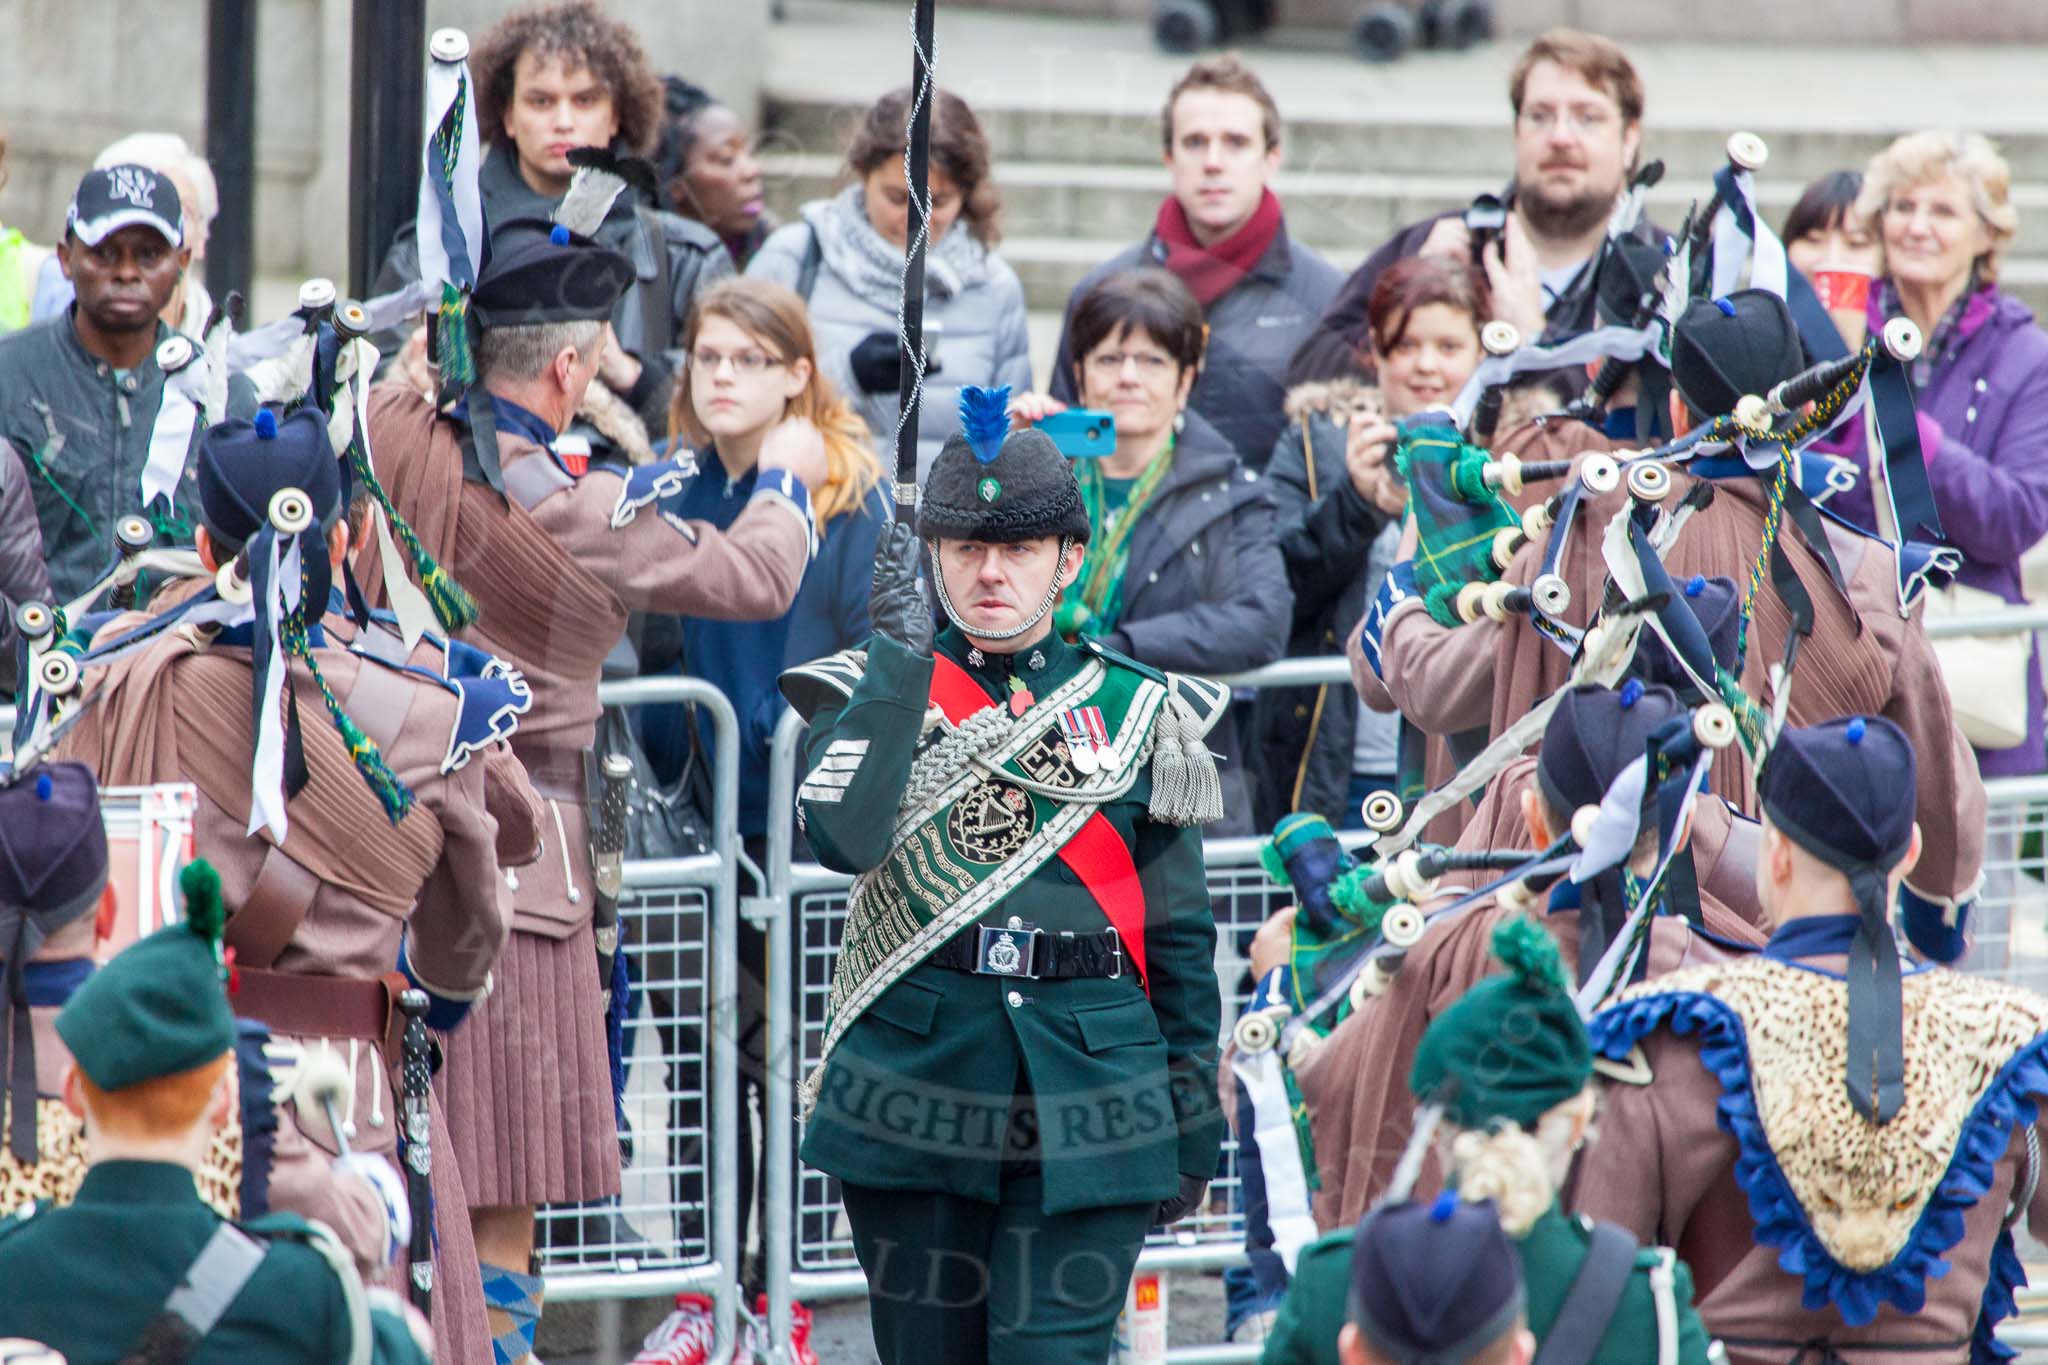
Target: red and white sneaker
column 685, row 1337
column 754, row 1342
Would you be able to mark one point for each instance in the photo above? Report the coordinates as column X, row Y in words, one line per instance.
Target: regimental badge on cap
column 989, row 489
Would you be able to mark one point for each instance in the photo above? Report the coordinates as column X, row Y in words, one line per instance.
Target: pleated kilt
column 527, row 1081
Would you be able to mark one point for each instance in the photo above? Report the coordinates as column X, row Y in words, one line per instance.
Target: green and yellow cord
column 384, row 784
column 453, row 606
column 452, row 352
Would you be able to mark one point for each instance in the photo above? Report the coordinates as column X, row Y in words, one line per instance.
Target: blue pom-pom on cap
column 1446, row 1204
column 44, row 787
column 985, row 420
column 265, row 423
column 1695, row 585
column 1631, row 693
column 1726, row 306
column 559, row 235
column 1856, row 729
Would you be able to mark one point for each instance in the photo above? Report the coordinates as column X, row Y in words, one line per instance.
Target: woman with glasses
column 845, row 258
column 750, row 381
column 1183, row 569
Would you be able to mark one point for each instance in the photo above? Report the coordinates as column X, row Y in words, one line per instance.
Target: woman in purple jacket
column 1942, row 206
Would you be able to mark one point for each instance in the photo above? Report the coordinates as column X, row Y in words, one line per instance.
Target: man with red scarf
column 1221, row 231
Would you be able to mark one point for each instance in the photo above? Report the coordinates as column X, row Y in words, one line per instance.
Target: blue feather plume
column 985, row 420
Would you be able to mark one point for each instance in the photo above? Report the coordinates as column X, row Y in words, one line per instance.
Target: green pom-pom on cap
column 205, row 913
column 1530, row 953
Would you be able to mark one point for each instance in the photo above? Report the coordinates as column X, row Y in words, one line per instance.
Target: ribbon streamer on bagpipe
column 275, row 575
column 1285, row 1156
column 1614, row 833
column 1742, row 237
column 272, row 340
column 348, row 431
column 1621, row 343
column 451, row 209
column 453, row 242
column 195, row 396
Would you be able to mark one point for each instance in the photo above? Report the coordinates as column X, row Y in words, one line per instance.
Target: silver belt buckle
column 1116, row 947
column 1008, row 952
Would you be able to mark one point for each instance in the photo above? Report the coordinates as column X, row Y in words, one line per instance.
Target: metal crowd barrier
column 678, row 921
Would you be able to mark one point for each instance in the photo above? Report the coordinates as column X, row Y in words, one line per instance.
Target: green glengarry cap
column 1512, row 1047
column 996, row 485
column 159, row 1008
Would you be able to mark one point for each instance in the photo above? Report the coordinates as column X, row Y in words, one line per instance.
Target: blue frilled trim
column 1781, row 1223
column 259, row 1117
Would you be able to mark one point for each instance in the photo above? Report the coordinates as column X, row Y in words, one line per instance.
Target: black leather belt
column 1024, row 950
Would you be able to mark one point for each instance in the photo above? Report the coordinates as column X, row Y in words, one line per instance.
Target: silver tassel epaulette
column 1186, row 788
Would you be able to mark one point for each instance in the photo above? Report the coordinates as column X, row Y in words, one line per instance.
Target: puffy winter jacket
column 974, row 322
column 1204, row 589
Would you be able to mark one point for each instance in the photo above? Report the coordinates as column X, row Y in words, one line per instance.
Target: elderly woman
column 845, row 259
column 1183, row 569
column 1940, row 204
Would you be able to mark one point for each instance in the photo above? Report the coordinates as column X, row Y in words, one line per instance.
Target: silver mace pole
column 910, row 338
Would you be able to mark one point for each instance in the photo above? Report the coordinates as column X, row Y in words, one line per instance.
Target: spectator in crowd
column 1340, row 502
column 171, row 157
column 21, row 261
column 80, row 393
column 705, row 163
column 845, row 259
column 1941, row 205
column 1183, row 570
column 1222, row 232
column 1838, row 251
column 750, row 378
column 1578, row 106
column 1436, row 1282
column 22, row 575
column 549, row 79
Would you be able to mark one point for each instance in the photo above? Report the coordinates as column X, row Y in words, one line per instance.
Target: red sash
column 1096, row 853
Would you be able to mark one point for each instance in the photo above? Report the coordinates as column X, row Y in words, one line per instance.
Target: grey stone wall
column 76, row 74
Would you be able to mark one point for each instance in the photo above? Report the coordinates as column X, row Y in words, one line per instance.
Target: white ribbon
column 266, row 793
column 1287, row 1198
column 1621, row 343
column 408, row 603
column 446, row 82
column 1615, row 832
column 1763, row 252
column 178, row 418
column 1622, row 951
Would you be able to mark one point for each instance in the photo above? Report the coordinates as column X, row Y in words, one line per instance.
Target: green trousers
column 969, row 1283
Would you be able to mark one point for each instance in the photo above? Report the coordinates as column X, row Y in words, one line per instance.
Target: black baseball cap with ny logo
column 124, row 196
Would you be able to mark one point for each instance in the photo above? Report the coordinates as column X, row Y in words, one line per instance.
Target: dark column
column 231, row 142
column 387, row 75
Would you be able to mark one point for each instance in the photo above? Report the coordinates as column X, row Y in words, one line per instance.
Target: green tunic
column 1317, row 1300
column 921, row 1091
column 88, row 1279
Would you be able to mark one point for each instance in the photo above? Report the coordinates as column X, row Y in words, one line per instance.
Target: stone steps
column 1455, row 139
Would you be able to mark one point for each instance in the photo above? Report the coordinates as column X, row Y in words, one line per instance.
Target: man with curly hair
column 550, row 78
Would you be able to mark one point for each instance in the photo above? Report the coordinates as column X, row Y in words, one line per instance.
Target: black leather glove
column 898, row 609
column 876, row 362
column 1171, row 1211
